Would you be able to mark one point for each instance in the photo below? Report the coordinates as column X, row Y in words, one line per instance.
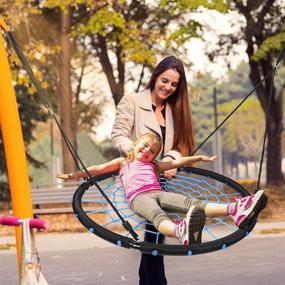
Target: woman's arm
column 171, row 172
column 174, row 154
column 183, row 161
column 123, row 125
column 95, row 170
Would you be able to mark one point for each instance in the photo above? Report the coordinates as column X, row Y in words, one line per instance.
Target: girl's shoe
column 189, row 230
column 246, row 209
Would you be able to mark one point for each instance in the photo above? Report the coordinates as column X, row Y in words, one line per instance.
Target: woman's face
column 166, row 84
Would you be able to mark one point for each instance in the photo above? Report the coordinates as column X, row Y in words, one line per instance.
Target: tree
column 28, row 100
column 37, row 32
column 129, row 34
column 31, row 114
column 263, row 21
column 242, row 135
column 236, row 87
column 71, row 108
column 262, row 32
column 129, row 31
column 65, row 92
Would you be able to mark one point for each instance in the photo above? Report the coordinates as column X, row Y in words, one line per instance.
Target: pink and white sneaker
column 246, row 209
column 189, row 229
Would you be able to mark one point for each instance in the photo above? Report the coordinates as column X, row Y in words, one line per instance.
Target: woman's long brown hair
column 183, row 141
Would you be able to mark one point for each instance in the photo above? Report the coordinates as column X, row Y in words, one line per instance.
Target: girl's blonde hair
column 156, row 139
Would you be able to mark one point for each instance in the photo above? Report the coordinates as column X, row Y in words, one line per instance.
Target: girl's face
column 166, row 84
column 146, row 150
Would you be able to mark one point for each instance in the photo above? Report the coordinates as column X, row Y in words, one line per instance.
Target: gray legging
column 154, row 205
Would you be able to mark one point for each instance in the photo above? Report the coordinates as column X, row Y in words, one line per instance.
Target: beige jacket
column 135, row 117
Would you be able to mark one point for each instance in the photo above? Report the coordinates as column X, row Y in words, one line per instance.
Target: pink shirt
column 138, row 177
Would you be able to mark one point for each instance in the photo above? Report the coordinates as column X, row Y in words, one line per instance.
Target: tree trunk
column 254, row 37
column 274, row 134
column 65, row 92
column 116, row 86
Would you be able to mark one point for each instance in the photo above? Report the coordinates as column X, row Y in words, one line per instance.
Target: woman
column 162, row 108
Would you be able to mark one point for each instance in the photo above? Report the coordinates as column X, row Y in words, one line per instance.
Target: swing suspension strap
column 270, row 98
column 231, row 113
column 40, row 90
column 72, row 150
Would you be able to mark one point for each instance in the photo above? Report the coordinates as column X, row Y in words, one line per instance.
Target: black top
column 162, row 128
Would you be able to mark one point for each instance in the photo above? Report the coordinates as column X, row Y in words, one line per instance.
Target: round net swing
column 208, row 186
column 100, row 204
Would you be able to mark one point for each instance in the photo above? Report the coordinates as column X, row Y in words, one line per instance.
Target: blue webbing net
column 193, row 185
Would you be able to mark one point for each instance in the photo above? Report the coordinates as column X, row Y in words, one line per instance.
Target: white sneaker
column 189, row 230
column 246, row 209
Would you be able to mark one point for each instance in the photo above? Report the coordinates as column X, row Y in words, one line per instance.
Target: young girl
column 139, row 175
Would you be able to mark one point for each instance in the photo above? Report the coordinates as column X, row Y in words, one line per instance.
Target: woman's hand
column 171, row 172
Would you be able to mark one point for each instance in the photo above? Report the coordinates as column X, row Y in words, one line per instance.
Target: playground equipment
column 218, row 233
column 30, row 269
column 13, row 143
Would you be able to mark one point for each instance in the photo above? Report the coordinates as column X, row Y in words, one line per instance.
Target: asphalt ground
column 85, row 259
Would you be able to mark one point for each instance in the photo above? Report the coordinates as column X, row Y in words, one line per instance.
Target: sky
column 216, row 24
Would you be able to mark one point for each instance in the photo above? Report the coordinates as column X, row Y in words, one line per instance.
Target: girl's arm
column 95, row 170
column 183, row 161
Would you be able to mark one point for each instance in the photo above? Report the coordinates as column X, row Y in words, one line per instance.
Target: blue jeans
column 151, row 271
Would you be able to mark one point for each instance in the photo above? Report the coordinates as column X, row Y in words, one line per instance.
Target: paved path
column 253, row 261
column 69, row 259
column 73, row 241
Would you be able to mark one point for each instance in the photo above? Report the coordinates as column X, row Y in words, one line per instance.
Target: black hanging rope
column 40, row 90
column 266, row 130
column 74, row 154
column 272, row 72
column 267, row 114
column 270, row 98
column 232, row 112
column 280, row 57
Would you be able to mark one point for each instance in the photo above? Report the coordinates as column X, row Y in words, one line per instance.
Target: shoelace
column 239, row 203
column 179, row 229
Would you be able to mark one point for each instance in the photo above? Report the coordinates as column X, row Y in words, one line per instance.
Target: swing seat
column 208, row 186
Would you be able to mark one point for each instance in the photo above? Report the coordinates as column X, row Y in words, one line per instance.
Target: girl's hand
column 208, row 158
column 67, row 176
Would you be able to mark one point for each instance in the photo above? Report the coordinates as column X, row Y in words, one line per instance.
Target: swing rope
column 278, row 60
column 76, row 157
column 267, row 114
column 231, row 113
column 266, row 129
